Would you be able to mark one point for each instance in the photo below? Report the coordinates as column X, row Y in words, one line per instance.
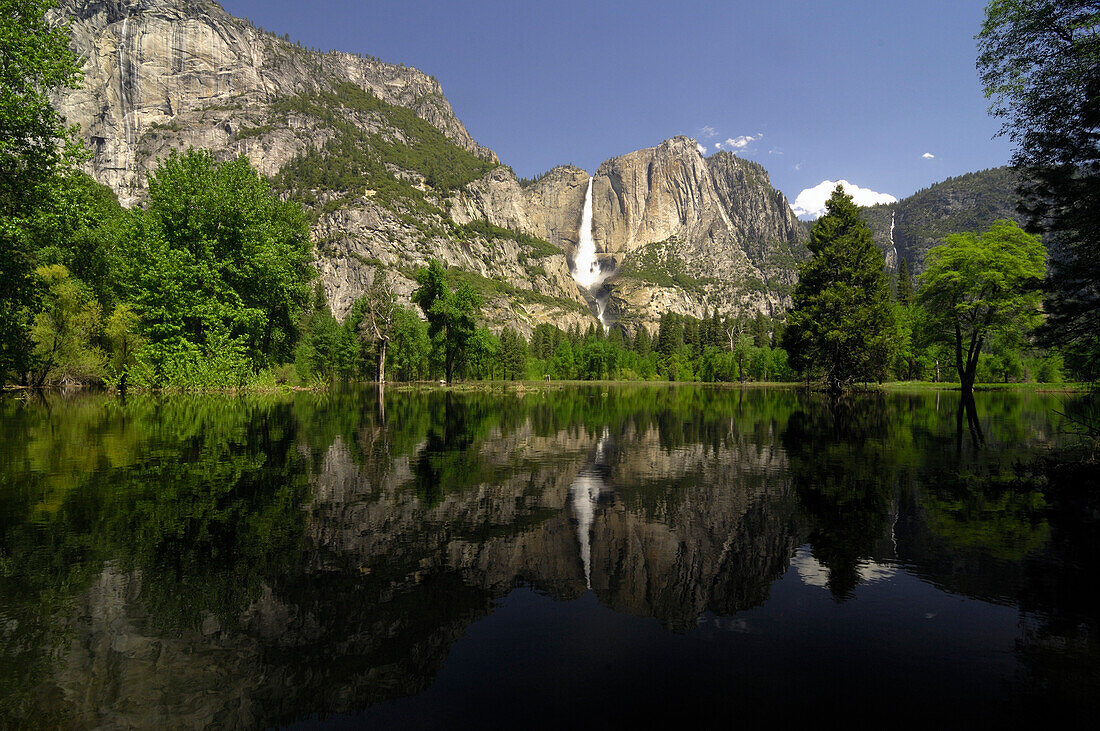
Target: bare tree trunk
column 382, row 360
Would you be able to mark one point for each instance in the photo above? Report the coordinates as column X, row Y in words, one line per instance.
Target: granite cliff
column 393, row 178
column 689, row 233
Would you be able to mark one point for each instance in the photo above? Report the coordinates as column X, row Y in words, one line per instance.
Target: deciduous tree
column 35, row 149
column 976, row 286
column 452, row 316
column 377, row 323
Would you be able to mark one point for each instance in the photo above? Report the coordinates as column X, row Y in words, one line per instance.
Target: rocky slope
column 163, row 74
column 393, row 177
column 680, row 232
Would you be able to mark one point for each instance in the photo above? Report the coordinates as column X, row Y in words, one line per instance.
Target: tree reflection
column 969, row 409
column 843, row 468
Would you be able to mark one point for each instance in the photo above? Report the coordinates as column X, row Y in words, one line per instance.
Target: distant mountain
column 968, row 202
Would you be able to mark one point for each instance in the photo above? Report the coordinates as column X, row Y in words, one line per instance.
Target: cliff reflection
column 248, row 562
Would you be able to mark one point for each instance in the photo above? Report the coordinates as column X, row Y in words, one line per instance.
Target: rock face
column 691, row 234
column 681, row 232
column 549, row 208
column 164, row 74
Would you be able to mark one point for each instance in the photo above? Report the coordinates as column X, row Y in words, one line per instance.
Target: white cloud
column 928, row 156
column 742, row 141
column 810, row 203
column 708, row 131
column 775, row 151
column 718, row 145
column 702, row 148
column 798, row 166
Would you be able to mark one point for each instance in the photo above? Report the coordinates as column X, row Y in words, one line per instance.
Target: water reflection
column 248, row 562
column 584, row 497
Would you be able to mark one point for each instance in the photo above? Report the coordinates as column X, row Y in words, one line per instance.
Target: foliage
column 375, row 312
column 659, row 264
column 841, row 322
column 65, row 330
column 1039, row 62
column 122, row 331
column 452, row 316
column 353, row 159
column 35, row 150
column 79, row 227
column 533, row 247
column 214, row 258
column 978, row 286
column 513, row 355
column 410, row 348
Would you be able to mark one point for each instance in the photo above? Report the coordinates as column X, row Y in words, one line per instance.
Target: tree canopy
column 35, row 148
column 976, row 286
column 452, row 316
column 841, row 323
column 216, row 252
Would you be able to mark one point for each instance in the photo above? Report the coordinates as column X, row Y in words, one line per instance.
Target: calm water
column 595, row 556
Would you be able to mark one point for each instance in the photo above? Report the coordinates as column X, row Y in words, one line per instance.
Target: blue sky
column 860, row 91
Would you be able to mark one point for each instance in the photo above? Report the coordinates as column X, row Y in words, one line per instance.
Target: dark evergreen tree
column 670, row 334
column 842, row 321
column 905, row 283
column 760, row 336
column 643, row 343
column 513, row 354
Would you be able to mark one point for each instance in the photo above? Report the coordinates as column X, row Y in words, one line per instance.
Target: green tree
column 452, row 316
column 905, row 283
column 215, row 249
column 977, row 286
column 410, row 347
column 1039, row 62
column 123, row 333
column 761, row 337
column 35, row 150
column 65, row 330
column 842, row 320
column 513, row 354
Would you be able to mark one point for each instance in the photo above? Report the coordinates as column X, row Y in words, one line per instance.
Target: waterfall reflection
column 584, row 496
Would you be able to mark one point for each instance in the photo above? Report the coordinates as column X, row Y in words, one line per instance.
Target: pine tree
column 905, row 284
column 842, row 321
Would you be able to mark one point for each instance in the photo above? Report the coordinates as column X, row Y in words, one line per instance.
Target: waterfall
column 584, row 495
column 892, row 246
column 587, row 271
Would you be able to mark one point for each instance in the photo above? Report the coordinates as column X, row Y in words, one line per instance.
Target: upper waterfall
column 587, row 271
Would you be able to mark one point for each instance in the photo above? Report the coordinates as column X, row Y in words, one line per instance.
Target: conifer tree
column 905, row 283
column 842, row 322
